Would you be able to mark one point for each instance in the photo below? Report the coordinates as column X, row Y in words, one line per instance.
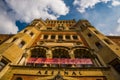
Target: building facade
column 60, row 50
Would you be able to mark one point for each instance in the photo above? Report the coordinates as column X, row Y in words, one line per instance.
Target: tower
column 59, row 50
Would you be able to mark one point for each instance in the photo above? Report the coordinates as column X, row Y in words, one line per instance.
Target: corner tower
column 102, row 45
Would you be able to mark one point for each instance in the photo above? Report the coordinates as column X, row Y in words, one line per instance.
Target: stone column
column 49, row 37
column 64, row 37
column 41, row 36
column 22, row 61
column 72, row 56
column 56, row 37
column 71, row 37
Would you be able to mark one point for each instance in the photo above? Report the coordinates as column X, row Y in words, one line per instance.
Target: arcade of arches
column 62, row 53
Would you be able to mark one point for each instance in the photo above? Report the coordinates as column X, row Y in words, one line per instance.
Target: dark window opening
column 60, row 37
column 107, row 41
column 75, row 37
column 71, row 28
column 98, row 79
column 14, row 39
column 37, row 53
column 116, row 65
column 22, row 43
column 89, row 35
column 18, row 78
column 96, row 32
column 25, row 31
column 98, row 45
column 52, row 36
column 49, row 28
column 31, row 34
column 3, row 63
column 67, row 37
column 45, row 36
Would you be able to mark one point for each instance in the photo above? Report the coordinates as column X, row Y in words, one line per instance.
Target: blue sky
column 103, row 14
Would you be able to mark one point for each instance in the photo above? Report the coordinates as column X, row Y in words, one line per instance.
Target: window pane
column 14, row 39
column 60, row 37
column 45, row 36
column 98, row 45
column 89, row 35
column 75, row 37
column 52, row 36
column 31, row 34
column 22, row 43
column 107, row 41
column 67, row 36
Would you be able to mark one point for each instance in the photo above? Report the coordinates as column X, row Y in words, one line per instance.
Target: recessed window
column 3, row 63
column 52, row 36
column 67, row 36
column 75, row 37
column 98, row 79
column 22, row 43
column 49, row 28
column 45, row 36
column 14, row 39
column 116, row 65
column 96, row 32
column 25, row 30
column 60, row 37
column 89, row 35
column 99, row 46
column 71, row 28
column 31, row 34
column 107, row 41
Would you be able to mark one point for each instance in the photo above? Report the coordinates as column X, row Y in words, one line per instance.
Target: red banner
column 59, row 61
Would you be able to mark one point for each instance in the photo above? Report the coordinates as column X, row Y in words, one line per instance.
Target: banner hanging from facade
column 59, row 61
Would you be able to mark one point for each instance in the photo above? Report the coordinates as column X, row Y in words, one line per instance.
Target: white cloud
column 7, row 24
column 118, row 27
column 82, row 5
column 27, row 10
column 115, row 3
column 105, row 20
